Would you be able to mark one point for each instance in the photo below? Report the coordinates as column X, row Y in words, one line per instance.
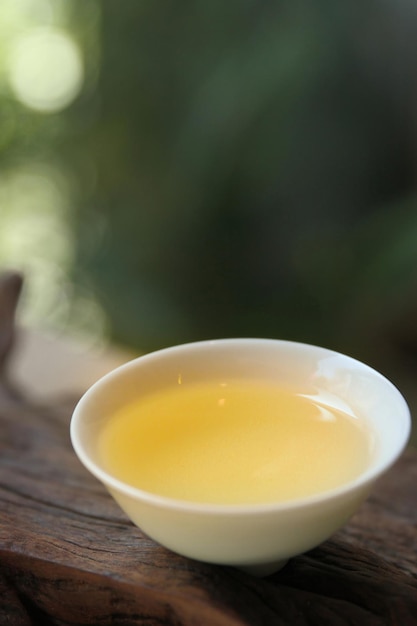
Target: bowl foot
column 263, row 569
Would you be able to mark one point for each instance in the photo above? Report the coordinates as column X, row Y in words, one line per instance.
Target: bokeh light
column 36, row 237
column 45, row 69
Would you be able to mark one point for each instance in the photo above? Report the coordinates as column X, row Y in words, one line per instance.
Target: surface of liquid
column 235, row 442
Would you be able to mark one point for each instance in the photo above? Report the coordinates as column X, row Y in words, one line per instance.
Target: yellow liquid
column 238, row 442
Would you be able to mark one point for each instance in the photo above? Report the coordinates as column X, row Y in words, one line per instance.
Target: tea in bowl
column 241, row 452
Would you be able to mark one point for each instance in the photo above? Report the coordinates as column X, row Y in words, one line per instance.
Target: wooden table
column 68, row 555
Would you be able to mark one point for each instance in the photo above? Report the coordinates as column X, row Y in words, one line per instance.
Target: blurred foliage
column 254, row 171
column 39, row 187
column 241, row 168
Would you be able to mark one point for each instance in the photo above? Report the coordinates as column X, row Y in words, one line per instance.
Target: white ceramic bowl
column 258, row 538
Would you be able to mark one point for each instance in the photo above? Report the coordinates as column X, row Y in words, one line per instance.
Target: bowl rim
column 116, row 485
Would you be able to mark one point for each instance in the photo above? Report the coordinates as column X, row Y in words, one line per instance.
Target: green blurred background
column 178, row 171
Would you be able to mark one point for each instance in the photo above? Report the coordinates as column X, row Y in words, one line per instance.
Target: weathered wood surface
column 68, row 555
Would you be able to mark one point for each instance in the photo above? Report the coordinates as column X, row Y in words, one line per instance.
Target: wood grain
column 69, row 556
